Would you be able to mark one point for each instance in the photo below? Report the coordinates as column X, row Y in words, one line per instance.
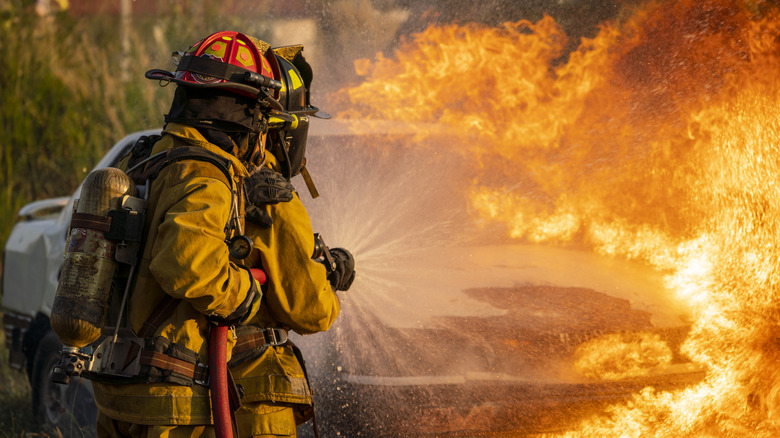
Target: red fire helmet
column 228, row 60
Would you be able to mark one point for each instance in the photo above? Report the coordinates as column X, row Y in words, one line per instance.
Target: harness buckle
column 118, row 357
column 204, row 370
column 274, row 336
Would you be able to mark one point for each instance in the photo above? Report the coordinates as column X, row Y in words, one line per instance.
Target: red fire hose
column 220, row 403
column 220, row 399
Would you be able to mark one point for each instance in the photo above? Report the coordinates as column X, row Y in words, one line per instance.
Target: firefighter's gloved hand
column 258, row 216
column 264, row 187
column 247, row 309
column 259, row 277
column 342, row 276
column 254, row 305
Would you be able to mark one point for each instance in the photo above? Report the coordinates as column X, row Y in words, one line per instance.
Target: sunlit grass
column 65, row 101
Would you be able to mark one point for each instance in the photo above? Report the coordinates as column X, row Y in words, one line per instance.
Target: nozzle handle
column 319, row 247
column 321, row 251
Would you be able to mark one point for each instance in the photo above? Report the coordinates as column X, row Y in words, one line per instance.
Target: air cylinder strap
column 161, row 312
column 90, row 221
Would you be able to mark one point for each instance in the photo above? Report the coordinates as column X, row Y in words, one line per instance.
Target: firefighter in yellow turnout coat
column 187, row 279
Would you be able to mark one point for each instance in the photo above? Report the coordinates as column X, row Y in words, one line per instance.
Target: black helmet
column 288, row 129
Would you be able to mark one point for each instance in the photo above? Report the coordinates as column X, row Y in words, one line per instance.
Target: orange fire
column 658, row 140
column 621, row 355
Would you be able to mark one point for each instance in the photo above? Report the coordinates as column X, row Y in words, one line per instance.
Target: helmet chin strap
column 257, row 155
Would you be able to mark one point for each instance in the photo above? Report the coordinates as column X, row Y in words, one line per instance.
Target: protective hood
column 220, row 110
column 224, row 118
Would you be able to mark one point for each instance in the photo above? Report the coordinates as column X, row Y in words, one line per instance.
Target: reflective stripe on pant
column 255, row 420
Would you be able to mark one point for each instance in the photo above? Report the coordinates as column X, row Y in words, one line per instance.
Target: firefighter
column 227, row 241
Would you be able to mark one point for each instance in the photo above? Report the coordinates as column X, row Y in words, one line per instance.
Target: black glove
column 246, row 310
column 258, row 216
column 343, row 273
column 264, row 187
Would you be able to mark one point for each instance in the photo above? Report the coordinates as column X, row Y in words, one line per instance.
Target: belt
column 260, row 338
column 198, row 372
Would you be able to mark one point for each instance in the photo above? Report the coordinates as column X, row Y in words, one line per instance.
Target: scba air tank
column 80, row 305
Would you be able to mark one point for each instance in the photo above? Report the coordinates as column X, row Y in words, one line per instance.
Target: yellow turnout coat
column 185, row 256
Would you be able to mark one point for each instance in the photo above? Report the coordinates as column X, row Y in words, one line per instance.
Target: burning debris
column 657, row 141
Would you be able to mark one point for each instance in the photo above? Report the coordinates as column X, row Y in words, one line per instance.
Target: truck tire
column 69, row 408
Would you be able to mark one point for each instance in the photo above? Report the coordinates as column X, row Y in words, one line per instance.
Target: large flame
column 657, row 140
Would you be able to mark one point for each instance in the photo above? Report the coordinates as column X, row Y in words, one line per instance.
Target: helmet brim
column 318, row 113
column 157, row 74
column 167, row 76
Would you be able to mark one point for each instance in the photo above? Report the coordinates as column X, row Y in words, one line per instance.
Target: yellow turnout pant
column 253, row 420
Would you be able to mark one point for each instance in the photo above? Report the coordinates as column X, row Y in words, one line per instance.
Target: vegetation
column 65, row 99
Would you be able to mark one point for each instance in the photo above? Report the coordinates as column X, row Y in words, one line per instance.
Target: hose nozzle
column 321, row 251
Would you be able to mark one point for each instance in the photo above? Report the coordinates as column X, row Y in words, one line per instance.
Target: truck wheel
column 69, row 408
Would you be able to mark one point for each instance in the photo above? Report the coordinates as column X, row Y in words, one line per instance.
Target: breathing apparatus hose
column 218, row 374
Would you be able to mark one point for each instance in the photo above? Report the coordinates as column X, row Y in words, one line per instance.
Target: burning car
column 448, row 329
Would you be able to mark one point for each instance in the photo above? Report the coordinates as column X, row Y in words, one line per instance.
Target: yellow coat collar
column 195, row 138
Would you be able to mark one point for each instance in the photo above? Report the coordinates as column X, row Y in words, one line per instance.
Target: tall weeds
column 68, row 93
